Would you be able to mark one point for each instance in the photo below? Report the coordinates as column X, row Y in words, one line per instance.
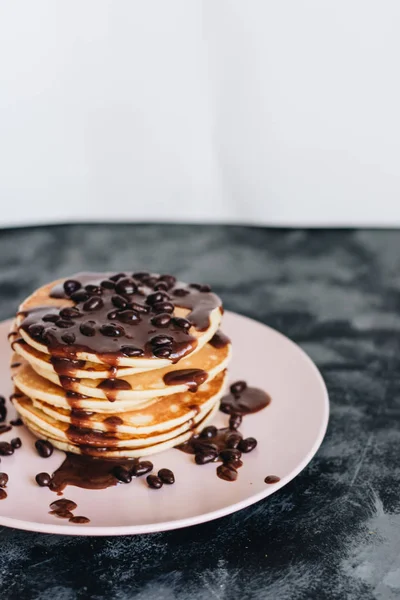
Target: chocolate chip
column 149, row 281
column 3, row 413
column 122, row 474
column 87, row 329
column 233, row 440
column 141, row 275
column 272, row 479
column 163, row 307
column 111, row 330
column 156, row 297
column 128, row 316
column 169, row 279
column 180, row 292
column 238, row 387
column 205, row 288
column 79, row 520
column 235, row 421
column 166, row 476
column 182, row 323
column 80, row 296
column 3, row 494
column 5, row 428
column 112, row 315
column 161, row 340
column 44, row 448
column 195, row 286
column 161, row 286
column 202, row 458
column 70, row 312
column 68, row 338
column 248, row 444
column 108, row 284
column 70, row 286
column 2, row 400
column 131, row 351
column 36, row 330
column 119, row 301
column 93, row 290
column 3, row 480
column 64, row 323
column 153, row 481
column 6, row 449
column 204, row 446
column 94, row 303
column 126, row 286
column 62, row 514
column 161, row 320
column 162, row 351
column 51, row 317
column 141, row 468
column 227, row 472
column 230, row 455
column 117, row 276
column 16, row 443
column 16, row 422
column 43, row 479
column 209, row 432
column 139, row 308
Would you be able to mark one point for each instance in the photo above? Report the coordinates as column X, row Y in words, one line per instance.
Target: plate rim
column 101, row 531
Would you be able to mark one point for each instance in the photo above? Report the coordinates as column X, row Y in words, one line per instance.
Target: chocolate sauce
column 272, row 479
column 250, row 400
column 219, row 340
column 74, row 399
column 68, row 383
column 14, row 365
column 190, row 377
column 87, row 472
column 87, row 438
column 66, row 366
column 111, row 423
column 110, row 332
column 111, row 387
column 80, row 417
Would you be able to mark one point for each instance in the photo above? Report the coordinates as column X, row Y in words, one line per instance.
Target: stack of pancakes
column 118, row 365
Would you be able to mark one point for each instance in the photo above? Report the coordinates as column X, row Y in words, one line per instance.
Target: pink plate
column 289, row 432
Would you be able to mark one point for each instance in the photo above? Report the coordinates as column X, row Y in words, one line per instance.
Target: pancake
column 129, row 336
column 205, row 365
column 68, row 446
column 158, row 415
column 88, row 370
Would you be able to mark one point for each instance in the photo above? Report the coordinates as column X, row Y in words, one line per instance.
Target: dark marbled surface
column 333, row 532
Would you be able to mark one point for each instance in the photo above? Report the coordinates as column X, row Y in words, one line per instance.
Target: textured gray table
column 333, row 532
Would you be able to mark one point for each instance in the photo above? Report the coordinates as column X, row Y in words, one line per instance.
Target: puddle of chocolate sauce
column 88, row 472
column 250, row 400
column 192, row 378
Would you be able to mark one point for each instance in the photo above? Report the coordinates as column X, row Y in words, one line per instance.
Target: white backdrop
column 256, row 111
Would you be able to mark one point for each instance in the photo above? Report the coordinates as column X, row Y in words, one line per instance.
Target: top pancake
column 142, row 321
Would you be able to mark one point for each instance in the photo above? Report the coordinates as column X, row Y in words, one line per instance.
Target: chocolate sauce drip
column 114, row 323
column 19, row 341
column 74, row 399
column 190, row 377
column 16, row 395
column 15, row 365
column 80, row 416
column 86, row 439
column 111, row 387
column 66, row 366
column 112, row 423
column 219, row 340
column 87, row 472
column 67, row 383
column 250, row 400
